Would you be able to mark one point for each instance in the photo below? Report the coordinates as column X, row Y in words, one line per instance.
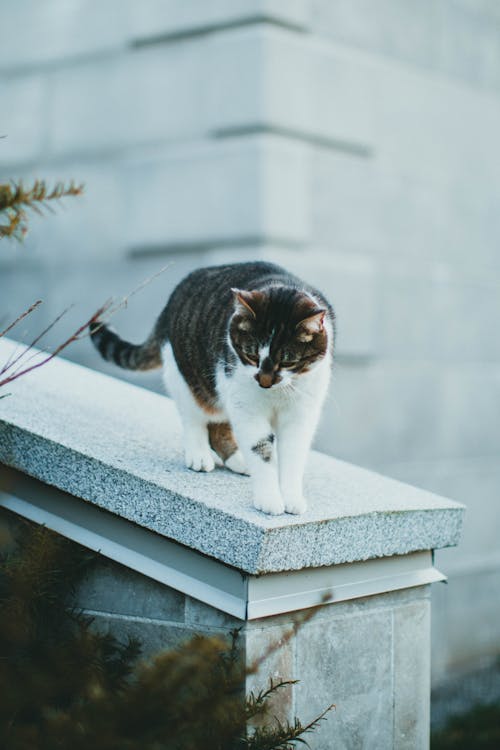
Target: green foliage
column 478, row 729
column 65, row 686
column 15, row 200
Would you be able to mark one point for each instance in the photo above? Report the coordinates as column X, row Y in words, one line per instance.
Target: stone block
column 59, row 29
column 388, row 411
column 221, row 192
column 279, row 666
column 405, row 30
column 63, row 30
column 155, row 636
column 468, row 44
column 207, row 618
column 336, row 663
column 380, row 412
column 156, row 17
column 352, row 98
column 24, row 121
column 141, row 96
column 412, row 676
column 401, row 216
column 452, row 326
column 112, row 589
column 404, row 216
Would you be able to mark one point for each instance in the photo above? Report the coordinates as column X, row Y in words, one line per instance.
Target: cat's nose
column 264, row 379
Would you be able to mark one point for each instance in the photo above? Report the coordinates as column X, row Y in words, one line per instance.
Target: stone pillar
column 368, row 656
column 191, row 554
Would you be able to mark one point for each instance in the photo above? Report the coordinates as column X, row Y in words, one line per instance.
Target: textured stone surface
column 412, row 671
column 154, row 635
column 113, row 589
column 200, row 615
column 119, row 447
column 347, row 661
column 279, row 665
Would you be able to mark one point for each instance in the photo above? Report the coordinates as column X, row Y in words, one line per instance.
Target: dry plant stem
column 107, row 309
column 13, row 359
column 74, row 337
column 20, row 317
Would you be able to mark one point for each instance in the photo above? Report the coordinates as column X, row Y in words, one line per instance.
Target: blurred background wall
column 354, row 141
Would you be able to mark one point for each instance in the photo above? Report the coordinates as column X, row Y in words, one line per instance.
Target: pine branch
column 15, row 199
column 281, row 736
column 256, row 704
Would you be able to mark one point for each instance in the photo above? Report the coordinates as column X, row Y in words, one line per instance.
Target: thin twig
column 28, row 354
column 74, row 337
column 35, row 341
column 20, row 317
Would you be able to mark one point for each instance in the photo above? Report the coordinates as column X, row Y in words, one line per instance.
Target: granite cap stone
column 118, row 446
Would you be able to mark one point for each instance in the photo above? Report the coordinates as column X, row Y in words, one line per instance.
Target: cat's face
column 279, row 334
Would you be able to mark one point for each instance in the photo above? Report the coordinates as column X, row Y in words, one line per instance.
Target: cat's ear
column 247, row 302
column 311, row 325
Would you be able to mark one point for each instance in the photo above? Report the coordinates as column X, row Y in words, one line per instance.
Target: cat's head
column 279, row 333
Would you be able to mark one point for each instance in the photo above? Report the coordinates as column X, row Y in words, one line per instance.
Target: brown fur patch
column 203, row 404
column 222, row 439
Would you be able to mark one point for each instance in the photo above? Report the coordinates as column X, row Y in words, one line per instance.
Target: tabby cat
column 246, row 350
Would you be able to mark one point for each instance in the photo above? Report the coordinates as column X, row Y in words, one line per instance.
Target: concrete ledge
column 118, row 447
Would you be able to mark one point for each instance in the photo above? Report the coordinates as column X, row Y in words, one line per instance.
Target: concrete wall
column 354, row 141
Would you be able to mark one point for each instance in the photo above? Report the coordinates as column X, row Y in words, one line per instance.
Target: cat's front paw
column 199, row 459
column 295, row 504
column 273, row 504
column 236, row 463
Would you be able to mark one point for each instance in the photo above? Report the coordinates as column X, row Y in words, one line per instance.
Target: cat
column 246, row 350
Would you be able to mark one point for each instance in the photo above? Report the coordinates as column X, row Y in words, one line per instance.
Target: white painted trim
column 283, row 592
column 137, row 548
column 244, row 596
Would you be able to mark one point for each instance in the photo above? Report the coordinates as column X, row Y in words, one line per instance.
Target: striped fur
column 112, row 348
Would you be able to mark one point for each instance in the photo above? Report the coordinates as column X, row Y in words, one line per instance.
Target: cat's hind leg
column 223, row 443
column 198, row 453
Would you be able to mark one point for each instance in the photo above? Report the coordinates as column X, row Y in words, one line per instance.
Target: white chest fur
column 273, row 427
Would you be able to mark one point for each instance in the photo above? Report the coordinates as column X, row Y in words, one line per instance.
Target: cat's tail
column 111, row 347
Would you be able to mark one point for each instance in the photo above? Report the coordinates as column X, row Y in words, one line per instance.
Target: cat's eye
column 252, row 357
column 288, row 359
column 251, row 354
